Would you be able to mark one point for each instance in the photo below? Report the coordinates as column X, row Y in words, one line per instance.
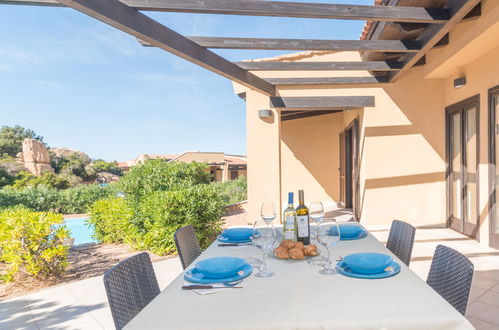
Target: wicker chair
column 401, row 240
column 130, row 286
column 187, row 245
column 450, row 275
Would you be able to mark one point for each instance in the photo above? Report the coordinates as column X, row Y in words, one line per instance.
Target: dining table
column 298, row 297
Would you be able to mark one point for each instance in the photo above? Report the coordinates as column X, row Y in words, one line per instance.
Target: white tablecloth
column 298, row 297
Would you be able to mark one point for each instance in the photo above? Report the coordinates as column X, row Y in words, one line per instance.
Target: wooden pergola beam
column 322, row 103
column 435, row 32
column 291, row 115
column 322, row 66
column 336, row 81
column 280, row 9
column 307, row 44
column 133, row 22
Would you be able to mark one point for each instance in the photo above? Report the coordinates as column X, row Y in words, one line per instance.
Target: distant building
column 222, row 167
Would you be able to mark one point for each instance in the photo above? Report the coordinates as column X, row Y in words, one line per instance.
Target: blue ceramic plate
column 194, row 276
column 392, row 270
column 238, row 233
column 368, row 262
column 349, row 232
column 227, row 240
column 220, row 267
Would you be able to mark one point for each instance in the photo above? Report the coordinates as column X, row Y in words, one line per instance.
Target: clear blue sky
column 84, row 85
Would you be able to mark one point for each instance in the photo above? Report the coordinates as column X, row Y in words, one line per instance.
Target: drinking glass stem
column 264, row 266
column 329, row 261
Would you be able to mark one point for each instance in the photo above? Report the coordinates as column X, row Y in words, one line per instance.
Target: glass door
column 462, row 162
column 494, row 155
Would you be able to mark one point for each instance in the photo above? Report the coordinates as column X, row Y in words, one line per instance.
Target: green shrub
column 79, row 198
column 164, row 212
column 25, row 179
column 31, row 243
column 42, row 198
column 158, row 175
column 233, row 191
column 112, row 220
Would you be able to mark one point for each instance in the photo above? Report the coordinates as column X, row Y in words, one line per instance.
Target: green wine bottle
column 302, row 220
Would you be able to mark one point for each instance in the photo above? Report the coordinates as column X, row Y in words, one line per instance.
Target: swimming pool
column 80, row 230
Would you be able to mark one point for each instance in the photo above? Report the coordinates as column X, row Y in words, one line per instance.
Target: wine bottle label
column 302, row 221
column 290, row 227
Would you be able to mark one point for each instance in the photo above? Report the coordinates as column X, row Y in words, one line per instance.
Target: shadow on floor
column 32, row 313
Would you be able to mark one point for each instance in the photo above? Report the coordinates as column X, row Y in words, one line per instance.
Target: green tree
column 11, row 139
column 5, row 177
column 110, row 167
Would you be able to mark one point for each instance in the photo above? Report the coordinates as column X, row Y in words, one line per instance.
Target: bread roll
column 310, row 250
column 281, row 253
column 296, row 254
column 298, row 245
column 288, row 244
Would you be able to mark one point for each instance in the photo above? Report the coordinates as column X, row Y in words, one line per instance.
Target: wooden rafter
column 336, row 81
column 291, row 115
column 280, row 9
column 322, row 66
column 435, row 32
column 308, row 44
column 322, row 103
column 133, row 22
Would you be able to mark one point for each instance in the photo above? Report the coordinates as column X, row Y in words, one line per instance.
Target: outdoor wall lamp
column 265, row 113
column 459, row 82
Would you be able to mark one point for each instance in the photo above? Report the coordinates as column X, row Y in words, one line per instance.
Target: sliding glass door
column 462, row 166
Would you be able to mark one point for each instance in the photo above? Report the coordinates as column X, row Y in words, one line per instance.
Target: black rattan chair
column 401, row 240
column 450, row 275
column 187, row 245
column 130, row 286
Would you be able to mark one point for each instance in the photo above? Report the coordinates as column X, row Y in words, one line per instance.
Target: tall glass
column 316, row 213
column 268, row 212
column 264, row 238
column 328, row 236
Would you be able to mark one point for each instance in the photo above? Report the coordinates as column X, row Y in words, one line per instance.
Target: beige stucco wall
column 309, row 157
column 402, row 138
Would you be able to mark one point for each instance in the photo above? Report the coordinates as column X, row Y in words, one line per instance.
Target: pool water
column 80, row 230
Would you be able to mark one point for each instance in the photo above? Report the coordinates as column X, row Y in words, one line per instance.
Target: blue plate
column 220, row 267
column 237, row 233
column 227, row 240
column 392, row 270
column 349, row 232
column 194, row 276
column 368, row 262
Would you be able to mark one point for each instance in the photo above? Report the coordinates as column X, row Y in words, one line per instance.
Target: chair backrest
column 130, row 286
column 450, row 275
column 401, row 240
column 187, row 245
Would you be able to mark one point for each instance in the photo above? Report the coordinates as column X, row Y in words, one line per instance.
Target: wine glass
column 316, row 213
column 328, row 236
column 268, row 212
column 264, row 238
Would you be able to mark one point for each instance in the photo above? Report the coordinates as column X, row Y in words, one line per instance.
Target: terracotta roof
column 123, row 164
column 368, row 25
column 235, row 160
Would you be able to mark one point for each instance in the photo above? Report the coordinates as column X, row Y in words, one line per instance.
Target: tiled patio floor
column 483, row 306
column 82, row 305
